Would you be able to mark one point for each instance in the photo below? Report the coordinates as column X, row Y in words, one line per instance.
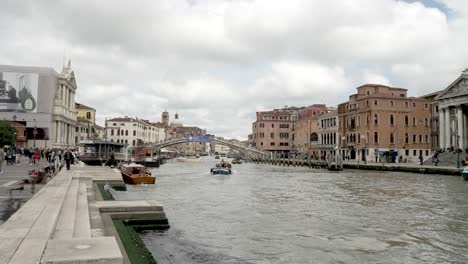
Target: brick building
column 381, row 122
column 272, row 131
column 307, row 143
column 307, row 129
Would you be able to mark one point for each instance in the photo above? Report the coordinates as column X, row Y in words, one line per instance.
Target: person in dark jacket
column 68, row 156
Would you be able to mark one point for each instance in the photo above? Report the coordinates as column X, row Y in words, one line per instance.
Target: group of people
column 57, row 156
column 54, row 157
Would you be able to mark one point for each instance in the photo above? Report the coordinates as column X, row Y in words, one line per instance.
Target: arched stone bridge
column 248, row 151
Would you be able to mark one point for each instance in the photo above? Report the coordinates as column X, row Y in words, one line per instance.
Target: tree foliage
column 140, row 142
column 7, row 133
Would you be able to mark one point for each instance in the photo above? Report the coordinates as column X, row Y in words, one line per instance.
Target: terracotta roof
column 381, row 85
column 82, row 106
column 329, row 114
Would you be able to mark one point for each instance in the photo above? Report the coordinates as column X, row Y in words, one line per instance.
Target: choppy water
column 268, row 214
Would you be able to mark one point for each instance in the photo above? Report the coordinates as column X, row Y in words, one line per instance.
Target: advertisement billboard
column 198, row 139
column 18, row 91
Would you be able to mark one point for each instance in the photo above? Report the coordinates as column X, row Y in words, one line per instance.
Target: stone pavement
column 68, row 222
column 12, row 177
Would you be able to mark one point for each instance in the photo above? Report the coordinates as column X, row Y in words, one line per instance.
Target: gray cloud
column 217, row 62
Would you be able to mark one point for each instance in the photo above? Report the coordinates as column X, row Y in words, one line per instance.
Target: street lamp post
column 34, row 135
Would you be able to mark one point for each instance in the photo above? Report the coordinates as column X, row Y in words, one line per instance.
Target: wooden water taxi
column 136, row 174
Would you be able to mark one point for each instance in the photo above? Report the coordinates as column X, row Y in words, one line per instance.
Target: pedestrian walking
column 36, row 157
column 56, row 162
column 420, row 160
column 2, row 157
column 68, row 156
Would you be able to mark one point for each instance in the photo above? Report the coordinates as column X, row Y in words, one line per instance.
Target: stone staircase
column 448, row 159
column 64, row 222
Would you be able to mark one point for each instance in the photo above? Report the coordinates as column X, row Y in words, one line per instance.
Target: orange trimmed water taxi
column 137, row 174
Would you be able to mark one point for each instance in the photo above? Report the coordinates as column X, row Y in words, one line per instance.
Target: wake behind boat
column 188, row 159
column 136, row 174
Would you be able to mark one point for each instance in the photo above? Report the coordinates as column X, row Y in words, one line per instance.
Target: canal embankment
column 396, row 167
column 68, row 221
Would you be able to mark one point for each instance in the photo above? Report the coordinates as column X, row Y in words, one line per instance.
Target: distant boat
column 137, row 174
column 188, row 159
column 236, row 161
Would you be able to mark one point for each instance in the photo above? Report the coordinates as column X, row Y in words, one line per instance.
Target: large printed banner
column 198, row 139
column 18, row 91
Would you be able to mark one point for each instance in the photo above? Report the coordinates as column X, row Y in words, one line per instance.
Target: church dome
column 176, row 122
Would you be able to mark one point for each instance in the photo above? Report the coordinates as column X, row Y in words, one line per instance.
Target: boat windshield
column 138, row 171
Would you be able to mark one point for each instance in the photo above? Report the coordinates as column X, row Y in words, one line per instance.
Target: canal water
column 271, row 214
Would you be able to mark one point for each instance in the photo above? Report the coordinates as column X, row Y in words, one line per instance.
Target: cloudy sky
column 217, row 62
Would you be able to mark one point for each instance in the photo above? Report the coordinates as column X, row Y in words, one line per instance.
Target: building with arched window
column 328, row 134
column 394, row 119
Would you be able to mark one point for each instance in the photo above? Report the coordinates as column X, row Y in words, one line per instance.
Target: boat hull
column 220, row 171
column 465, row 175
column 138, row 180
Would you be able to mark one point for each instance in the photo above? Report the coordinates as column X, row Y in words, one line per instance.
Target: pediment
column 458, row 88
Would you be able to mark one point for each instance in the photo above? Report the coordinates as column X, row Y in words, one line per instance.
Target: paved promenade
column 12, row 177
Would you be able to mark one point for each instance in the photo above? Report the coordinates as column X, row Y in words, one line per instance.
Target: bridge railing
column 214, row 139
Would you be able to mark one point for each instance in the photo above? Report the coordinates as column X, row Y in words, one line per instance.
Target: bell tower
column 165, row 118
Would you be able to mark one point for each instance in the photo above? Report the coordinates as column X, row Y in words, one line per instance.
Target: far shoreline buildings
column 377, row 123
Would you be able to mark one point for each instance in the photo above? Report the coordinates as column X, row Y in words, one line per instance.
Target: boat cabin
column 96, row 152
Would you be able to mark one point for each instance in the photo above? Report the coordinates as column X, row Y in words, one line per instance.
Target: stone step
column 128, row 206
column 82, row 224
column 104, row 250
column 66, row 223
column 31, row 248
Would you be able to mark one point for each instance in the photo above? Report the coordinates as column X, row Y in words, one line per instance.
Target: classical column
column 447, row 128
column 442, row 128
column 465, row 128
column 460, row 127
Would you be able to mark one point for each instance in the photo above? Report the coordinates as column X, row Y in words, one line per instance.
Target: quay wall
column 405, row 167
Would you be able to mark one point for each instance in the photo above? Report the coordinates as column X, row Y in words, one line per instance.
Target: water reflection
column 267, row 214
